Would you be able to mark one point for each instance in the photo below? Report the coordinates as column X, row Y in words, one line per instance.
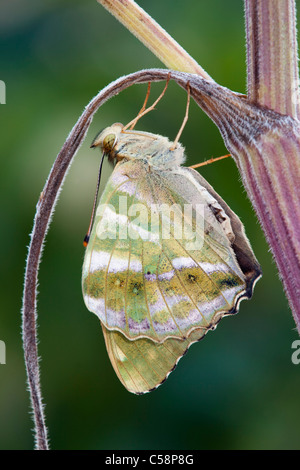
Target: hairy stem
column 266, row 148
column 272, row 62
column 273, row 168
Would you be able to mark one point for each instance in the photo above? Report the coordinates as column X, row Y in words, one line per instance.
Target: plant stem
column 153, row 36
column 272, row 61
column 273, row 168
column 266, row 148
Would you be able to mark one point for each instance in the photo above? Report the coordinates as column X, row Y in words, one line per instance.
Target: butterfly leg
column 186, row 116
column 211, row 160
column 142, row 108
column 146, row 111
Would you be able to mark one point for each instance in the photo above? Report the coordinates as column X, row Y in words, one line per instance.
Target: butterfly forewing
column 152, row 283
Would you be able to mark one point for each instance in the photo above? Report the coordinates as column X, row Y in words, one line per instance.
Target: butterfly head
column 107, row 139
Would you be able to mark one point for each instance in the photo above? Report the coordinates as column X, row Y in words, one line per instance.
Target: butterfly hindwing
column 142, row 365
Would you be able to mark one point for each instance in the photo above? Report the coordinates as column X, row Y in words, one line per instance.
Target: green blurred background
column 237, row 389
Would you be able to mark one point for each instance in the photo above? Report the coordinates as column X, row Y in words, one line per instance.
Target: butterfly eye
column 108, row 142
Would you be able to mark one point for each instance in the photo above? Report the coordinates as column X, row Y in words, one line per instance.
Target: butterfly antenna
column 186, row 116
column 88, row 234
column 146, row 111
column 211, row 160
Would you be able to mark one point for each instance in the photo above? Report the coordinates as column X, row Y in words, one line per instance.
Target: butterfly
column 166, row 258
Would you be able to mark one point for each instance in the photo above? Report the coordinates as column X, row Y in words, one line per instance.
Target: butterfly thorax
column 127, row 145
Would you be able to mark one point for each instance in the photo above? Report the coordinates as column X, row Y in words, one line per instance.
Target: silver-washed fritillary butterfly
column 166, row 258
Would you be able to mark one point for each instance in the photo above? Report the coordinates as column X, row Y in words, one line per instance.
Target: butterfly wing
column 142, row 365
column 224, row 268
column 156, row 294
